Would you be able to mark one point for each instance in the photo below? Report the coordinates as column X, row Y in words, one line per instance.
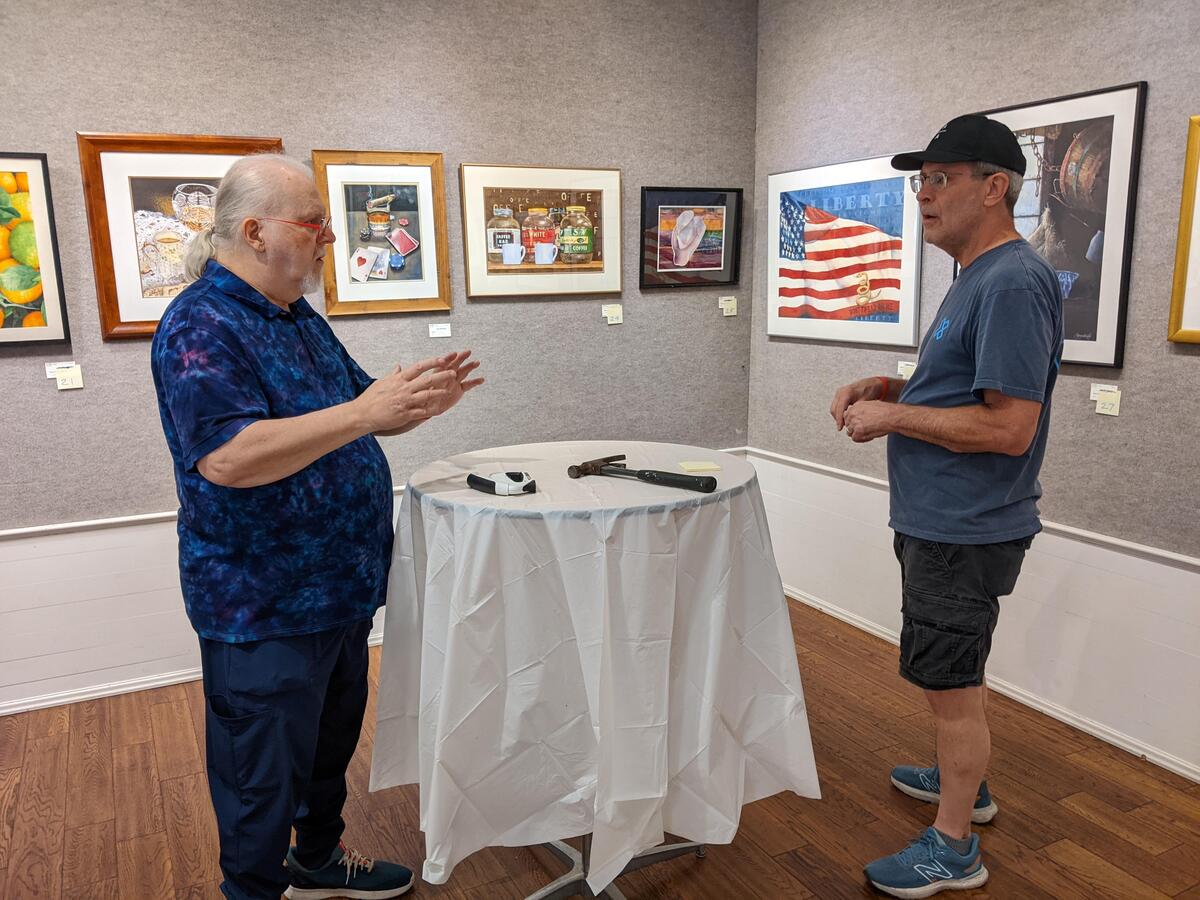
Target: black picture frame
column 1092, row 337
column 51, row 303
column 691, row 265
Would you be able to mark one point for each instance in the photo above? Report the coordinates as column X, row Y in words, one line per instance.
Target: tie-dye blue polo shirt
column 303, row 554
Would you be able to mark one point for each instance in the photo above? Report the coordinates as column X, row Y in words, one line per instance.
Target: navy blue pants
column 282, row 721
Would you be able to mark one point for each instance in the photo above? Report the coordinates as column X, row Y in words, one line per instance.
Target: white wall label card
column 52, row 368
column 440, row 330
column 70, row 378
column 613, row 313
column 1097, row 388
column 728, row 306
column 1108, row 403
column 904, row 368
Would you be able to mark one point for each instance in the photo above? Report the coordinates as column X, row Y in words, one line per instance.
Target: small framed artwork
column 843, row 254
column 1185, row 294
column 32, row 309
column 1077, row 204
column 147, row 196
column 691, row 237
column 529, row 230
column 388, row 213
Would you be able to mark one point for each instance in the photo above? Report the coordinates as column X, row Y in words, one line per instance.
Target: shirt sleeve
column 1014, row 344
column 358, row 378
column 211, row 392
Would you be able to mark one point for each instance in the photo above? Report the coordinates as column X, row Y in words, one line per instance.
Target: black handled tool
column 612, row 465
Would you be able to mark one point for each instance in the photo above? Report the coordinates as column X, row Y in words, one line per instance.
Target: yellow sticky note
column 1108, row 403
column 613, row 313
column 693, row 466
column 69, row 378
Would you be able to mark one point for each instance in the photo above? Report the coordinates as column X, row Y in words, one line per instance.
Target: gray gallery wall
column 835, row 85
column 664, row 93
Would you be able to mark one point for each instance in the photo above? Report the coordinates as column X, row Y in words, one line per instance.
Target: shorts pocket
column 943, row 641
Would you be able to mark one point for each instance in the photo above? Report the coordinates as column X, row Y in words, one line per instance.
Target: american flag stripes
column 835, row 268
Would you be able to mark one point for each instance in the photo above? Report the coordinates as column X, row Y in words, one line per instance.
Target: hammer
column 612, row 465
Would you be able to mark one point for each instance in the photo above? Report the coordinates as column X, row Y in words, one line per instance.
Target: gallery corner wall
column 837, row 84
column 666, row 94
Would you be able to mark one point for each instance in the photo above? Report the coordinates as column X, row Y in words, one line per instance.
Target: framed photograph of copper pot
column 1077, row 204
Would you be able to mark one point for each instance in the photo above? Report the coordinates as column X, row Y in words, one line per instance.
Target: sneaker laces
column 922, row 848
column 353, row 861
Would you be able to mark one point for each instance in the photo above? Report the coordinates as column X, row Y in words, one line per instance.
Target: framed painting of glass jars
column 691, row 237
column 32, row 309
column 147, row 196
column 529, row 230
column 388, row 215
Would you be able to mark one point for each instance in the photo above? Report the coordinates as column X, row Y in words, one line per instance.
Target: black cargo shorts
column 951, row 603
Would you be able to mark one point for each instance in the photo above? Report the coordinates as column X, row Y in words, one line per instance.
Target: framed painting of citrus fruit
column 147, row 196
column 31, row 294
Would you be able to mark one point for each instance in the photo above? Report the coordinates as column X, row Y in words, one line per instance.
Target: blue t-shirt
column 303, row 554
column 999, row 328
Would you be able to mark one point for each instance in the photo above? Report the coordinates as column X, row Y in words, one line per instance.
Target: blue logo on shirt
column 941, row 330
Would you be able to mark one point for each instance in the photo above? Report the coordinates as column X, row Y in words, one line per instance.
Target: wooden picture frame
column 1185, row 293
column 405, row 192
column 519, row 189
column 137, row 252
column 690, row 237
column 33, row 308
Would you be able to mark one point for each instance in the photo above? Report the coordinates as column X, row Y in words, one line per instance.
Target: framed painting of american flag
column 843, row 254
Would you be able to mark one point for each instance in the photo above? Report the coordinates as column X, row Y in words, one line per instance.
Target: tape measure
column 505, row 484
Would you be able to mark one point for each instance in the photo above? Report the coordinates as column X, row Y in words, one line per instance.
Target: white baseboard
column 1022, row 696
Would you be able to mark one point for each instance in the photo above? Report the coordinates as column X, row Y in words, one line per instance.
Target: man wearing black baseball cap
column 966, row 436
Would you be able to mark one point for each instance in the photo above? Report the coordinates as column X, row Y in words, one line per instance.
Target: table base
column 574, row 883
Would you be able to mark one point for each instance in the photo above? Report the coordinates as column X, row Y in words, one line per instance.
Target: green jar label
column 575, row 239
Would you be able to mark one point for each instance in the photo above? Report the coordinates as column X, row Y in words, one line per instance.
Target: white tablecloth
column 604, row 656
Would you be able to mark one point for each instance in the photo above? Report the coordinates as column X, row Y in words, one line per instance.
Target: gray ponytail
column 199, row 252
column 250, row 188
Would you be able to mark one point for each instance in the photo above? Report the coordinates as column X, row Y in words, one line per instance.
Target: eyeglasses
column 318, row 227
column 936, row 180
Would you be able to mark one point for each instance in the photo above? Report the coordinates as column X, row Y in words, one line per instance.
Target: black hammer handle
column 705, row 484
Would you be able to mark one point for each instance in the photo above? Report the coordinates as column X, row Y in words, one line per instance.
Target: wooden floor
column 108, row 799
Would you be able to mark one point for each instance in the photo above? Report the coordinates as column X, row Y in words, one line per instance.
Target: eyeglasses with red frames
column 318, row 227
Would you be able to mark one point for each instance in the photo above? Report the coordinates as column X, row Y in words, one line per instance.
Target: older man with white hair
column 285, row 527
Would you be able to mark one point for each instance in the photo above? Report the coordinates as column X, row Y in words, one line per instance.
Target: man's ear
column 252, row 234
column 997, row 187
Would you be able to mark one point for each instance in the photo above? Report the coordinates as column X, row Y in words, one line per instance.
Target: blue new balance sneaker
column 347, row 874
column 925, row 784
column 927, row 866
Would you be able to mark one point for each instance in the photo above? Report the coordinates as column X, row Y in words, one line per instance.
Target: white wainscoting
column 1100, row 633
column 89, row 609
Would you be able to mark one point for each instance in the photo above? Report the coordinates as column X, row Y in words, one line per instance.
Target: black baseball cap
column 968, row 139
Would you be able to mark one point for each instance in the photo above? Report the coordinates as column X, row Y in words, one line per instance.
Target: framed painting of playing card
column 529, row 230
column 147, row 197
column 388, row 215
column 691, row 237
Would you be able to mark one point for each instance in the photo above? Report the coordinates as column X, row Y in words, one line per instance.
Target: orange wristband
column 887, row 386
